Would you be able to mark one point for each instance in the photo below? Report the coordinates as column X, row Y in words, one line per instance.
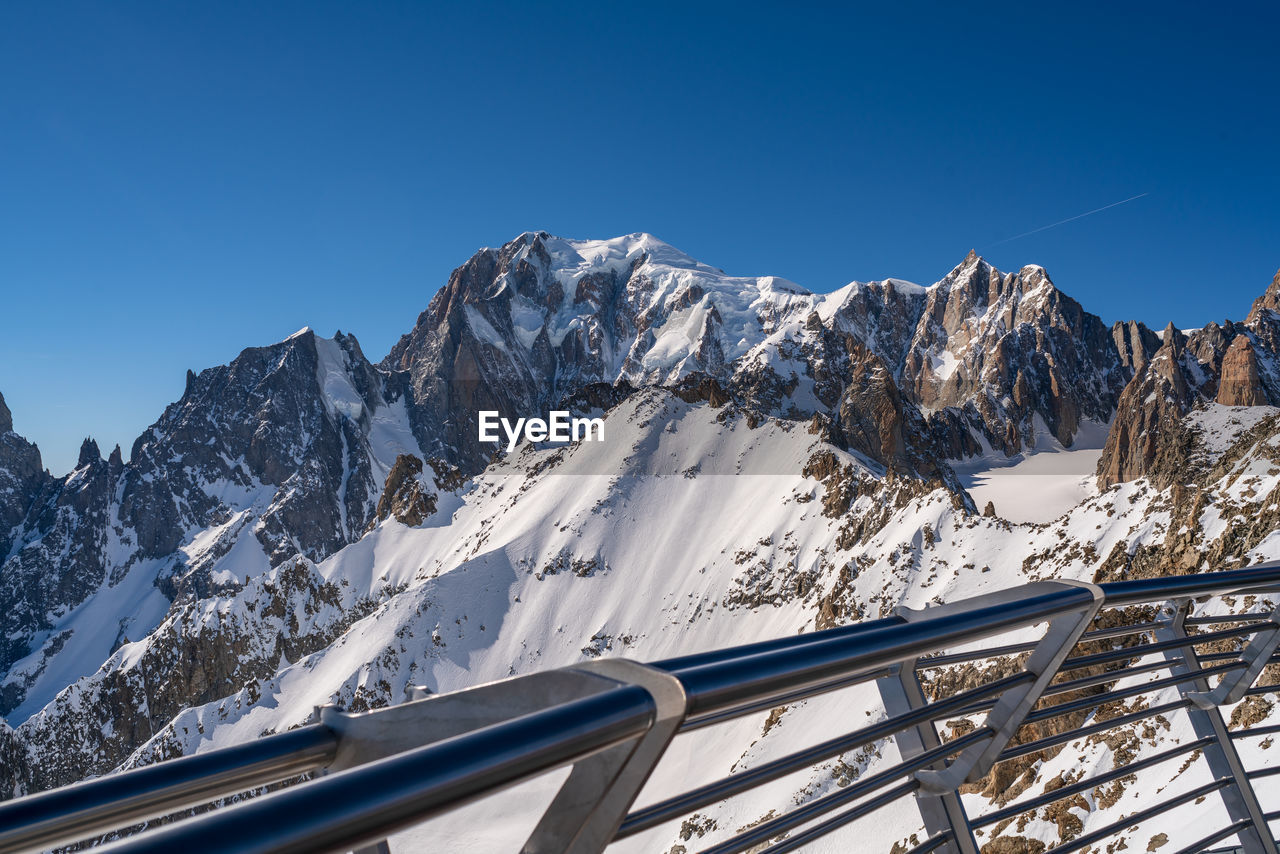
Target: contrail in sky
column 1069, row 219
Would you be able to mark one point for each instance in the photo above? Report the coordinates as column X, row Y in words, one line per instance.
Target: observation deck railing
column 612, row 720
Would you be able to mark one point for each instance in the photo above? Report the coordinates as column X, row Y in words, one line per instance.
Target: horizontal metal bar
column 1015, row 648
column 1085, row 785
column 674, row 807
column 1256, row 731
column 933, row 843
column 1200, row 845
column 707, row 719
column 932, row 661
column 836, row 822
column 1100, row 726
column 1110, row 676
column 1142, row 815
column 1263, row 689
column 73, row 813
column 1264, row 576
column 1264, row 772
column 736, row 682
column 1094, row 700
column 716, row 656
column 1084, row 682
column 1219, row 656
column 1119, row 631
column 1228, row 618
column 1151, row 648
column 765, row 831
column 365, row 804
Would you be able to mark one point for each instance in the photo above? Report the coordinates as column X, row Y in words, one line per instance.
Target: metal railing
column 611, row 721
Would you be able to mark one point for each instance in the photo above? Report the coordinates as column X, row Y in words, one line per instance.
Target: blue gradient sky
column 180, row 181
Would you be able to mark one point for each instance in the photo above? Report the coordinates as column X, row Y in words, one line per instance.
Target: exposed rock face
column 873, row 420
column 1235, row 364
column 520, row 328
column 1268, row 302
column 67, row 527
column 404, row 496
column 21, row 477
column 282, row 452
column 1143, row 439
column 1135, row 343
column 1005, row 347
column 294, row 416
column 1240, row 383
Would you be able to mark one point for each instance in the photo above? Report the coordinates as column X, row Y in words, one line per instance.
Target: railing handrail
column 578, row 717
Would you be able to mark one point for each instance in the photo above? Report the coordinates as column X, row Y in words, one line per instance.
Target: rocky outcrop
column 1235, row 364
column 1239, row 383
column 1144, row 437
column 404, row 496
column 22, row 478
column 519, row 328
column 288, row 445
column 1007, row 347
column 701, row 388
column 1135, row 344
column 66, row 529
column 199, row 654
column 1266, row 304
column 870, row 416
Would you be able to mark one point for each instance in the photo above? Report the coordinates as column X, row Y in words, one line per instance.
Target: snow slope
column 1038, row 485
column 543, row 561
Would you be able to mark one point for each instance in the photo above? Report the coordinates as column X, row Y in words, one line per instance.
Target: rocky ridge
column 1233, row 364
column 283, row 452
column 369, row 569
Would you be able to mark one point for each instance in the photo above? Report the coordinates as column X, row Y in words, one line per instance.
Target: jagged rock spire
column 6, row 417
column 89, row 453
column 1240, row 383
column 1270, row 300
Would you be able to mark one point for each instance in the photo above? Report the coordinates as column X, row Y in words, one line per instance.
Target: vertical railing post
column 593, row 801
column 941, row 783
column 943, row 812
column 1240, row 798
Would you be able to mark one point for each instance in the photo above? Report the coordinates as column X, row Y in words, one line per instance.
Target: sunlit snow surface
column 476, row 593
column 1040, row 486
column 637, row 547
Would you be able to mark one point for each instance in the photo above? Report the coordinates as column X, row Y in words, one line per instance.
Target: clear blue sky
column 179, row 181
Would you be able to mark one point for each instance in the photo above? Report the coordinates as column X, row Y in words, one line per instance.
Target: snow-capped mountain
column 978, row 356
column 304, row 526
column 282, row 452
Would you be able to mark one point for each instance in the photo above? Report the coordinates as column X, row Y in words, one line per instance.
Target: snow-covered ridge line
column 777, row 461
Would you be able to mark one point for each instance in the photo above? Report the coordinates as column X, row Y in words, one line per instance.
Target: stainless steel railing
column 611, row 721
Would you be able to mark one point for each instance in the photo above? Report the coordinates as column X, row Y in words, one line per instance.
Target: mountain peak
column 1270, row 300
column 6, row 417
column 972, row 267
column 89, row 453
column 1173, row 338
